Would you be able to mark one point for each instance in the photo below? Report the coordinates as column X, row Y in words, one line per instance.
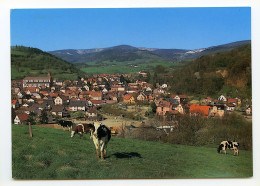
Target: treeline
column 26, row 61
column 210, row 75
column 225, row 72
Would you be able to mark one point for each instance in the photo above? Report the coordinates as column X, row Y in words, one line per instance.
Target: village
column 45, row 100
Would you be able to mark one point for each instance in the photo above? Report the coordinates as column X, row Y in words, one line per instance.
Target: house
column 249, row 110
column 96, row 102
column 176, row 98
column 95, row 95
column 76, row 105
column 158, row 91
column 233, row 101
column 208, row 100
column 149, row 89
column 91, row 112
column 141, row 97
column 179, row 98
column 217, row 111
column 222, row 98
column 171, row 114
column 31, row 90
column 21, row 119
column 58, row 101
column 230, row 107
column 57, row 110
column 15, row 104
column 178, row 107
column 129, row 99
column 104, row 91
column 164, row 86
column 163, row 107
column 196, row 109
column 37, row 81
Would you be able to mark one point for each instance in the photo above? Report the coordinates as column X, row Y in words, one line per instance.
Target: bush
column 198, row 131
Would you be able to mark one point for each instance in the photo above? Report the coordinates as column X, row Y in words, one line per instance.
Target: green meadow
column 52, row 154
column 125, row 67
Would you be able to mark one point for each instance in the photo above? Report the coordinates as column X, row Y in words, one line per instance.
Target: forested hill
column 210, row 75
column 27, row 61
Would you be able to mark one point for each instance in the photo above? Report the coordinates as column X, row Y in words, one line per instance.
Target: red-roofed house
column 233, row 101
column 199, row 109
column 21, row 119
column 96, row 95
column 129, row 98
column 15, row 104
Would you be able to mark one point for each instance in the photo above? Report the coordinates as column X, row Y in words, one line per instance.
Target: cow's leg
column 95, row 140
column 80, row 134
column 97, row 152
column 103, row 149
column 72, row 134
column 91, row 134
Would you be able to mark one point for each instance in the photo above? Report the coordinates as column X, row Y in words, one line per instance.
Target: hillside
column 121, row 53
column 226, row 72
column 26, row 61
column 52, row 154
column 126, row 53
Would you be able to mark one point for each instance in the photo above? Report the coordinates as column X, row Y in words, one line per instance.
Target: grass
column 52, row 154
column 124, row 67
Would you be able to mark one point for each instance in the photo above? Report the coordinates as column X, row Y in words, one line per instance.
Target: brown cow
column 82, row 128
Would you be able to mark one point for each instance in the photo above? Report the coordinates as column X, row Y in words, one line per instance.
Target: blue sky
column 181, row 28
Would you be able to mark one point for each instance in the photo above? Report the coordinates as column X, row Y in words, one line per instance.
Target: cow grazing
column 224, row 145
column 81, row 129
column 65, row 123
column 101, row 136
column 234, row 146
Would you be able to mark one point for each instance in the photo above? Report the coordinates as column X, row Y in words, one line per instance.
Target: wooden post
column 30, row 129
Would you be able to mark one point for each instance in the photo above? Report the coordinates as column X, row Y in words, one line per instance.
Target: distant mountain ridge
column 123, row 53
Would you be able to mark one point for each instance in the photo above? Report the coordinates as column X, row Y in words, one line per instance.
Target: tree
column 43, row 117
column 32, row 118
column 154, row 107
column 78, row 114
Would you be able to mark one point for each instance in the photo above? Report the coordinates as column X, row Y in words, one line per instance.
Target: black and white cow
column 233, row 145
column 224, row 145
column 65, row 123
column 101, row 136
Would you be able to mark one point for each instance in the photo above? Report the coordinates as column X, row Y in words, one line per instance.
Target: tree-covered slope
column 224, row 72
column 121, row 53
column 27, row 61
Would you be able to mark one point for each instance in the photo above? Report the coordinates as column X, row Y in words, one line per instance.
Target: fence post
column 30, row 129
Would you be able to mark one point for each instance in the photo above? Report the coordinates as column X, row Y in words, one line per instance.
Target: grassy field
column 52, row 154
column 126, row 67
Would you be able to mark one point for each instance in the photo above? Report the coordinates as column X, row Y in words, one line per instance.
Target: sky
column 173, row 28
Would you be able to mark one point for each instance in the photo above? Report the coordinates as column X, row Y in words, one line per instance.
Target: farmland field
column 52, row 154
column 126, row 67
